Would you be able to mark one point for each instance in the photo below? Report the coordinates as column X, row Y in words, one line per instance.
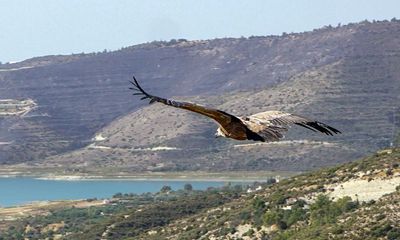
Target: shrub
column 394, row 234
column 271, row 181
column 273, row 217
column 245, row 215
column 381, row 230
column 278, row 198
column 258, row 204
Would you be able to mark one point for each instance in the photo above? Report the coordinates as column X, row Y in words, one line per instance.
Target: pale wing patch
column 269, row 115
column 273, row 124
column 278, row 118
column 265, row 129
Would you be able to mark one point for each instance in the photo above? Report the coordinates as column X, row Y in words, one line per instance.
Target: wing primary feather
column 305, row 126
column 332, row 129
column 140, row 91
column 319, row 127
column 139, row 87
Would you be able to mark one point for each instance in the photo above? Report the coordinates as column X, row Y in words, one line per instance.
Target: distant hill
column 86, row 118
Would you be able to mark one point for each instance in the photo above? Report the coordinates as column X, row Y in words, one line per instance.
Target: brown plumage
column 265, row 126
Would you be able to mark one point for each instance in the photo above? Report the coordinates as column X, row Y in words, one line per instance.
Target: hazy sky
column 31, row 28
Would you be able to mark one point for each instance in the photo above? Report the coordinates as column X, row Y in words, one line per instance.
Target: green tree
column 273, row 217
column 278, row 198
column 188, row 187
column 258, row 204
column 166, row 189
column 117, row 195
column 322, row 211
column 325, row 211
column 294, row 215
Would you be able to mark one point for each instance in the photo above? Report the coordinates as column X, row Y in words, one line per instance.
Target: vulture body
column 266, row 126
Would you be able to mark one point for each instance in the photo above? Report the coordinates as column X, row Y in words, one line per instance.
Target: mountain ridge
column 327, row 74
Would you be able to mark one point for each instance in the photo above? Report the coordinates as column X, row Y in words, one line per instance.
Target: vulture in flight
column 266, row 126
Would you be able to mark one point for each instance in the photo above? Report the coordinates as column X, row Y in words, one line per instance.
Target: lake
column 21, row 190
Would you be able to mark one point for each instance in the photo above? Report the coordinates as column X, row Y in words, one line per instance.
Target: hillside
column 345, row 76
column 356, row 200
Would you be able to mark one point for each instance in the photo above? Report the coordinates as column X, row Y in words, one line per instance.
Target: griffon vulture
column 266, row 126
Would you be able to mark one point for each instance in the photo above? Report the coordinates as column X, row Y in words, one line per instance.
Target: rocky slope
column 309, row 206
column 345, row 76
column 356, row 200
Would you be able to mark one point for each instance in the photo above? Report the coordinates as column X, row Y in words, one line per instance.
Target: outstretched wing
column 221, row 117
column 272, row 124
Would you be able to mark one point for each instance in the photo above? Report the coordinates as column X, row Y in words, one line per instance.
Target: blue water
column 16, row 191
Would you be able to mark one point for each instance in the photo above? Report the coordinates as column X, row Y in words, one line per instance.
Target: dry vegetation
column 301, row 207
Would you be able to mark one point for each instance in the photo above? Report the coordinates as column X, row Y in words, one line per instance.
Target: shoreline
column 158, row 176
